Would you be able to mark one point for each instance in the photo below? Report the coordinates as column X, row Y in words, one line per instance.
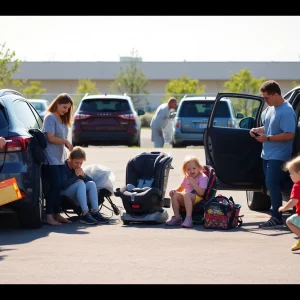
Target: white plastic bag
column 103, row 176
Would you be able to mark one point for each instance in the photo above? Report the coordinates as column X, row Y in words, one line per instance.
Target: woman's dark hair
column 62, row 99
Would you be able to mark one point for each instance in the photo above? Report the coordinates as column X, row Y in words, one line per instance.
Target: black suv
column 235, row 155
column 106, row 120
column 17, row 117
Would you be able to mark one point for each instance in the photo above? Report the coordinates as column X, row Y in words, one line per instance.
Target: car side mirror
column 239, row 116
column 247, row 123
column 140, row 112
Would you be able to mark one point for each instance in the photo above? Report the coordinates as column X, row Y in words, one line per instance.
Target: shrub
column 146, row 119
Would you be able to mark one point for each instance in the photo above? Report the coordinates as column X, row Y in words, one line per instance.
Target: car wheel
column 258, row 201
column 137, row 143
column 31, row 216
column 176, row 145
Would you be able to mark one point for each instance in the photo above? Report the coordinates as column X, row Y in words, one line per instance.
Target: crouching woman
column 81, row 188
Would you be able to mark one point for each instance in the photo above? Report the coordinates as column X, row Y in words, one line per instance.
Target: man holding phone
column 276, row 136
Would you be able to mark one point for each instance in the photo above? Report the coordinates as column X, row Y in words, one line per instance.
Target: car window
column 38, row 118
column 203, row 109
column 99, row 105
column 25, row 114
column 3, row 120
column 246, row 107
column 38, row 106
column 288, row 95
column 246, row 112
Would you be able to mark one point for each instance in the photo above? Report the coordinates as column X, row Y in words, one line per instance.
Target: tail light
column 178, row 124
column 81, row 116
column 135, row 206
column 127, row 117
column 17, row 144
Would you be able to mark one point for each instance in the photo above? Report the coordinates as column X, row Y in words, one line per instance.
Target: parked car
column 17, row 117
column 192, row 117
column 106, row 120
column 235, row 155
column 40, row 105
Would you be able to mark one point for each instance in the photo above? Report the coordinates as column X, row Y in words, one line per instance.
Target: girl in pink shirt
column 189, row 192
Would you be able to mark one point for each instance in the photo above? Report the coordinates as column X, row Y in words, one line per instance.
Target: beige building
column 57, row 77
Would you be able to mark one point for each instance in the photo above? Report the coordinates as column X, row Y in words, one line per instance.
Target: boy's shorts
column 294, row 219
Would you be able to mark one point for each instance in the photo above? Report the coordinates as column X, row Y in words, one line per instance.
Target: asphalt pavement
column 141, row 253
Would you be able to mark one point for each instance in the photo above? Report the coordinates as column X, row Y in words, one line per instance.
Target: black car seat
column 146, row 182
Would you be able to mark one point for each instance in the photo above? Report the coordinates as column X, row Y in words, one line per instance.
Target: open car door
column 231, row 151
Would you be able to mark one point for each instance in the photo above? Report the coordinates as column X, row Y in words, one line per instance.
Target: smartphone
column 255, row 133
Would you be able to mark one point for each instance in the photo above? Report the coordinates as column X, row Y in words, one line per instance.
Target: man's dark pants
column 275, row 179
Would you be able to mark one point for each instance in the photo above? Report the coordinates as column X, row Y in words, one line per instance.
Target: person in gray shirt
column 55, row 127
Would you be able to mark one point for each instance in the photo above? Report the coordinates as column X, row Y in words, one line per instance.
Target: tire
column 32, row 216
column 126, row 222
column 137, row 143
column 176, row 145
column 258, row 201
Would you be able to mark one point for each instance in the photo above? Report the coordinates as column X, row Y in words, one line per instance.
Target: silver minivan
column 192, row 116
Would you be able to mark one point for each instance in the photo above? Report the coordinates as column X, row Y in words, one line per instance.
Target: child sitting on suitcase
column 189, row 192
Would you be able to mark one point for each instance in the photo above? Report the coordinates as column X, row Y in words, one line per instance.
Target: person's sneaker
column 273, row 223
column 296, row 246
column 88, row 219
column 174, row 221
column 187, row 223
column 98, row 216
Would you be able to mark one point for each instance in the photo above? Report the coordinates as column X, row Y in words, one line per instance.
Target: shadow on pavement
column 244, row 228
column 12, row 234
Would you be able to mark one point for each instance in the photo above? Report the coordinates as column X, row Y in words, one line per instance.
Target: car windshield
column 203, row 109
column 100, row 105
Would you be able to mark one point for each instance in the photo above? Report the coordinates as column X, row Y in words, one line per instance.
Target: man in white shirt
column 160, row 121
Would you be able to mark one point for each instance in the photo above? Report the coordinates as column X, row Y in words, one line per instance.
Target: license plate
column 202, row 125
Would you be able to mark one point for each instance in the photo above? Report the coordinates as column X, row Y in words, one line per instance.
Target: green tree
column 84, row 86
column 33, row 90
column 181, row 86
column 243, row 82
column 9, row 65
column 132, row 81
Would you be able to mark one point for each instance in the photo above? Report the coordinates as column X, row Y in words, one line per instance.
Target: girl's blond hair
column 190, row 159
column 293, row 164
column 62, row 99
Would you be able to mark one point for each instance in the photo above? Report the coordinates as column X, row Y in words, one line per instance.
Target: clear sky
column 155, row 38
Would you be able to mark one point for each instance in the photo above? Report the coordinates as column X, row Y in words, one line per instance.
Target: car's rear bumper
column 104, row 137
column 189, row 138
